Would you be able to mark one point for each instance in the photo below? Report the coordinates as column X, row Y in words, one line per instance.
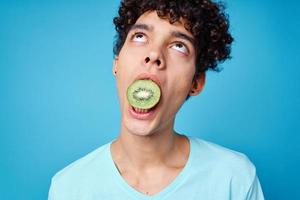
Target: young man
column 171, row 43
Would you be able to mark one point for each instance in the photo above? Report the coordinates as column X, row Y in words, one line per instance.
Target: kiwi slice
column 143, row 94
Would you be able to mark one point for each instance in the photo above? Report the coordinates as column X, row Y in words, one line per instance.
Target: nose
column 154, row 58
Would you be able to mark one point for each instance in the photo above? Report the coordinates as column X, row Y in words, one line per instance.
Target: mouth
column 151, row 77
column 144, row 95
column 142, row 114
column 143, row 111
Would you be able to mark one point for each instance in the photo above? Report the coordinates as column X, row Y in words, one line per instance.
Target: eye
column 181, row 48
column 139, row 37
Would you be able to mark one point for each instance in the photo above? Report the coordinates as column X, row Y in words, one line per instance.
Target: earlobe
column 198, row 85
column 115, row 64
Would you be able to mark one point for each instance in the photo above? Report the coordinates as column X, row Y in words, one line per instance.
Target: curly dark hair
column 206, row 20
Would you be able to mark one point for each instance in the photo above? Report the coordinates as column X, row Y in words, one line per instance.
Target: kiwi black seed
column 143, row 94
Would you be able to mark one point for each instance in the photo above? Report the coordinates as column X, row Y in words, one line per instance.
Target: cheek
column 182, row 76
column 180, row 81
column 179, row 86
column 126, row 69
column 123, row 81
column 132, row 51
column 129, row 60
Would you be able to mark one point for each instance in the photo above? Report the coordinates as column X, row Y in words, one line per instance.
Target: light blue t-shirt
column 212, row 172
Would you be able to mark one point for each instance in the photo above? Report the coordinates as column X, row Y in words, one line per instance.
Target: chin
column 138, row 127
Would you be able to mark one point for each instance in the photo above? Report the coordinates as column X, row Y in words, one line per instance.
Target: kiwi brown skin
column 143, row 94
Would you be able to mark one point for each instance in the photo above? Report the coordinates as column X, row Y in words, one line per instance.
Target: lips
column 142, row 111
column 149, row 76
column 142, row 114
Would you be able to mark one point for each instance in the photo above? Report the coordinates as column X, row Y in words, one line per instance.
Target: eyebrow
column 183, row 36
column 141, row 26
column 177, row 34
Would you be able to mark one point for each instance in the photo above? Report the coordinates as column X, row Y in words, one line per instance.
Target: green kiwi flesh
column 143, row 94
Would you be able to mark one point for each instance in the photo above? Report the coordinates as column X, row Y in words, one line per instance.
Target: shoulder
column 225, row 171
column 227, row 163
column 82, row 172
column 85, row 163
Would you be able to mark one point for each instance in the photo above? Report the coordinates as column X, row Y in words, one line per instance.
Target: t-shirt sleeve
column 255, row 191
column 51, row 194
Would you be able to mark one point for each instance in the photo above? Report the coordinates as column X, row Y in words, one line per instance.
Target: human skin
column 148, row 152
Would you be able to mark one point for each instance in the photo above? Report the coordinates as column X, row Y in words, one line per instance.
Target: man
column 171, row 43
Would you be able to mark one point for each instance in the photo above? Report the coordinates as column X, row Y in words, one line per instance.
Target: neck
column 142, row 152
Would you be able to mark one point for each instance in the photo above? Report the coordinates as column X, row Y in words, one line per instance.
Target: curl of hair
column 206, row 20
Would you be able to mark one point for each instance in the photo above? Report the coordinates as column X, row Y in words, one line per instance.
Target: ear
column 198, row 84
column 115, row 64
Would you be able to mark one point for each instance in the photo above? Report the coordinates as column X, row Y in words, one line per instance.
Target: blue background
column 58, row 98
